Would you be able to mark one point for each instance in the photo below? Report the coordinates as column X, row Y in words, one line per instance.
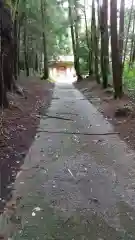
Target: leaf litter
column 18, row 128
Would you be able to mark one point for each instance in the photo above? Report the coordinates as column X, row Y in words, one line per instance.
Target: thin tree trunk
column 15, row 52
column 25, row 51
column 18, row 50
column 26, row 62
column 3, row 90
column 121, row 34
column 74, row 37
column 116, row 68
column 91, row 71
column 96, row 47
column 46, row 72
column 36, row 63
column 106, row 37
column 77, row 41
column 132, row 44
column 46, row 69
column 72, row 31
column 127, row 34
column 87, row 38
column 121, row 29
column 104, row 43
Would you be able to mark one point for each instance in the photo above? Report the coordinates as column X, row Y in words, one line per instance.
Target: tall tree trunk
column 3, row 89
column 18, row 50
column 26, row 61
column 6, row 70
column 7, row 46
column 46, row 71
column 15, row 18
column 15, row 48
column 87, row 38
column 36, row 63
column 121, row 34
column 72, row 31
column 74, row 35
column 132, row 44
column 91, row 71
column 127, row 34
column 104, row 43
column 116, row 68
column 77, row 41
column 96, row 47
column 43, row 14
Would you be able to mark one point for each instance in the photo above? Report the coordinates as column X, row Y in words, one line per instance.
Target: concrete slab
column 74, row 186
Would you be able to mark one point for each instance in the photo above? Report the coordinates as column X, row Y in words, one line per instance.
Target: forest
column 99, row 33
column 105, row 46
column 67, row 150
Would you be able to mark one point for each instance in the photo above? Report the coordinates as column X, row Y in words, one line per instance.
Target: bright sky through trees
column 127, row 2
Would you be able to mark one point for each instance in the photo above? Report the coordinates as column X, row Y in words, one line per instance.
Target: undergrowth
column 129, row 77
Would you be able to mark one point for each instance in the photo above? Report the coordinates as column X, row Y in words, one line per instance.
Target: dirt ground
column 18, row 128
column 104, row 102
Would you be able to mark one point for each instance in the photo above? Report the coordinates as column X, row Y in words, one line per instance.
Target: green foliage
column 56, row 28
column 129, row 76
column 83, row 53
